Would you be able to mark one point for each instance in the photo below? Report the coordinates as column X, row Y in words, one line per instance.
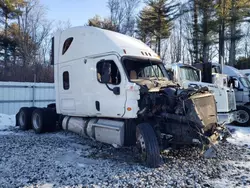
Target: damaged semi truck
column 189, row 76
column 228, row 76
column 114, row 89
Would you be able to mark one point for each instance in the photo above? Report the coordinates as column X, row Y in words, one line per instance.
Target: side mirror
column 236, row 84
column 106, row 73
column 200, row 76
column 170, row 74
column 116, row 90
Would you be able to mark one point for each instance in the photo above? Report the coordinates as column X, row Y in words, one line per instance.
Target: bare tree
column 122, row 15
column 34, row 29
column 165, row 49
column 62, row 25
column 247, row 42
column 45, row 47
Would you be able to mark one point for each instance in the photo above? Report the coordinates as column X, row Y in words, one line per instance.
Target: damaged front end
column 181, row 116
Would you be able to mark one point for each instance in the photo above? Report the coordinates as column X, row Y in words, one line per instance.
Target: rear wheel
column 148, row 146
column 44, row 120
column 23, row 118
column 242, row 116
column 38, row 121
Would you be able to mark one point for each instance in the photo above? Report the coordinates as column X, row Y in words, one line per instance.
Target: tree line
column 188, row 31
column 25, row 34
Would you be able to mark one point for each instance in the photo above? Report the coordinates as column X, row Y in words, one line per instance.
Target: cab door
column 65, row 88
column 109, row 99
column 238, row 90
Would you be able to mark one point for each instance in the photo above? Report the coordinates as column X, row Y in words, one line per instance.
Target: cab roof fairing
column 99, row 41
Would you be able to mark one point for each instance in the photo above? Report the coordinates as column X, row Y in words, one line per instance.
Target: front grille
column 206, row 109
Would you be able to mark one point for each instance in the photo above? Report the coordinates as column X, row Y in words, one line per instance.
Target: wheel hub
column 141, row 143
column 141, row 146
column 242, row 116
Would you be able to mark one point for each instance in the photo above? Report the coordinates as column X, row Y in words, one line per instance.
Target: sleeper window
column 66, row 45
column 66, row 80
column 115, row 77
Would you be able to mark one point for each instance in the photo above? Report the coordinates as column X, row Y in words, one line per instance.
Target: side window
column 66, row 80
column 66, row 45
column 52, row 58
column 109, row 66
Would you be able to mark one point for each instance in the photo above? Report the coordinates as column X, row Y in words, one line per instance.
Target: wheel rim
column 21, row 119
column 36, row 121
column 242, row 116
column 140, row 144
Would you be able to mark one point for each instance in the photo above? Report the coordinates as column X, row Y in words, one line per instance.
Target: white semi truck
column 188, row 76
column 114, row 89
column 241, row 86
column 246, row 72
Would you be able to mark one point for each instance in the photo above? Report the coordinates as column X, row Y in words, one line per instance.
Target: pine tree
column 156, row 20
column 10, row 9
column 195, row 31
column 143, row 31
column 105, row 23
column 239, row 11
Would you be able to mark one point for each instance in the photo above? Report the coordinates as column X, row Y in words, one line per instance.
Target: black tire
column 242, row 116
column 44, row 120
column 17, row 124
column 23, row 118
column 38, row 121
column 148, row 145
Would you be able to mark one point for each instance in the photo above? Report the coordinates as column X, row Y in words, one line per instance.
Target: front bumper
column 226, row 118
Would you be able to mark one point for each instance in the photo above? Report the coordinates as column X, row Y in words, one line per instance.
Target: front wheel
column 148, row 146
column 242, row 116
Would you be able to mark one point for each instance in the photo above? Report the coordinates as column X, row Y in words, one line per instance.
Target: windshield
column 142, row 68
column 245, row 82
column 248, row 76
column 188, row 73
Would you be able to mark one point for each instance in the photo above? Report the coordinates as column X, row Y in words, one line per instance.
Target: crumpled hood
column 153, row 84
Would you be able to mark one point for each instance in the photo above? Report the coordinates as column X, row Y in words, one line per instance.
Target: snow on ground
column 63, row 159
column 241, row 135
column 6, row 121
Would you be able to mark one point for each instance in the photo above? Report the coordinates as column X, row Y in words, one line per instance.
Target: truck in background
column 246, row 72
column 229, row 76
column 189, row 76
column 114, row 89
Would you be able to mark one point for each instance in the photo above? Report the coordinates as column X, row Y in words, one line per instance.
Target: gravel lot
column 66, row 160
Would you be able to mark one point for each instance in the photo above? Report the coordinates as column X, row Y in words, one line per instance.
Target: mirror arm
column 108, row 87
column 115, row 90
